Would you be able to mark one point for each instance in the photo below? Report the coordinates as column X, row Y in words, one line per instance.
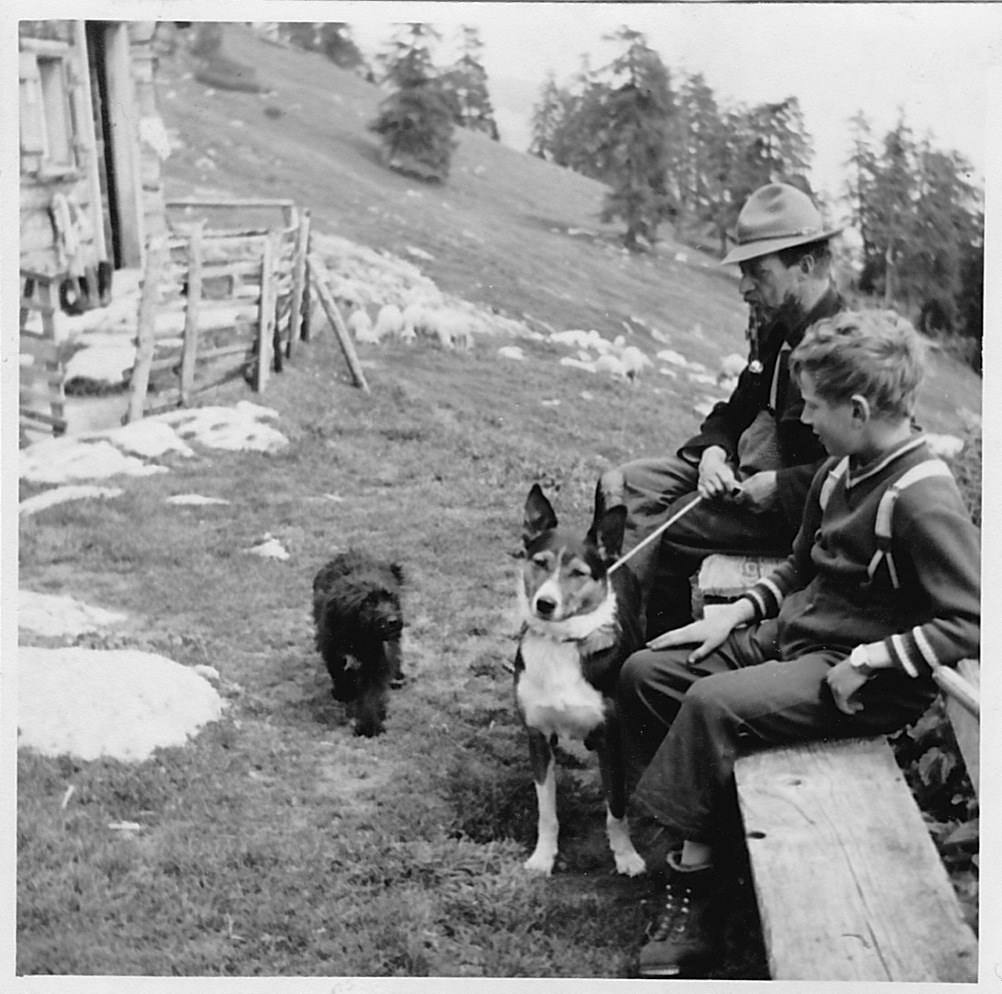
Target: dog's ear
column 398, row 572
column 606, row 533
column 539, row 516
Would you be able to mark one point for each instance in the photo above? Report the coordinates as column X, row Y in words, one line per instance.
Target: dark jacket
column 800, row 449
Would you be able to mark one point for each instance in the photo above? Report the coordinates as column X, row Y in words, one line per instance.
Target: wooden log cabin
column 91, row 190
column 92, row 144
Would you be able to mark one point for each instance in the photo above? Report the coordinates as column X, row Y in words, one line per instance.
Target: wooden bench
column 848, row 880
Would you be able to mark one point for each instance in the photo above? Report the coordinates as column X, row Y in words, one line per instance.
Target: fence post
column 299, row 286
column 146, row 328
column 189, row 349
column 57, row 404
column 266, row 323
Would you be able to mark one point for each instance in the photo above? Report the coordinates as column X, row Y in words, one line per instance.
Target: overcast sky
column 930, row 59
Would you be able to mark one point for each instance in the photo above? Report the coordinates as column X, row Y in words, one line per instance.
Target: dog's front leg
column 544, row 775
column 617, row 828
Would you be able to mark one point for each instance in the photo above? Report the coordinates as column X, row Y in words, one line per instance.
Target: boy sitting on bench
column 883, row 584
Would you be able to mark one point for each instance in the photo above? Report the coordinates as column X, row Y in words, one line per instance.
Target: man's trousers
column 652, row 491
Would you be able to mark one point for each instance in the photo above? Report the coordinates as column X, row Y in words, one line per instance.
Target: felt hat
column 776, row 217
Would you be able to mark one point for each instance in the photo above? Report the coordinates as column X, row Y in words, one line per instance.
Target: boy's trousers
column 683, row 727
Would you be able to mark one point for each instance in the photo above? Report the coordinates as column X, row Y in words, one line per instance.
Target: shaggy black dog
column 356, row 607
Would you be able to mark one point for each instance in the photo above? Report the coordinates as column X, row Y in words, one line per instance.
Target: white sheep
column 634, row 362
column 350, row 293
column 389, row 322
column 360, row 326
column 414, row 319
column 451, row 326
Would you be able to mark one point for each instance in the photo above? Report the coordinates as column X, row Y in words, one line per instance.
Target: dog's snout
column 545, row 606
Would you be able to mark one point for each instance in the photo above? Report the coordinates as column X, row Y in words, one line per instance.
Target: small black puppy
column 356, row 608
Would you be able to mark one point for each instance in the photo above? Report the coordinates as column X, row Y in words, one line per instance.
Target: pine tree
column 633, row 149
column 546, row 117
column 569, row 123
column 862, row 166
column 466, row 83
column 694, row 148
column 336, row 43
column 301, row 34
column 415, row 121
column 922, row 224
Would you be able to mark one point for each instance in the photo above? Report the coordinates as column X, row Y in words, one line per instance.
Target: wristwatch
column 859, row 659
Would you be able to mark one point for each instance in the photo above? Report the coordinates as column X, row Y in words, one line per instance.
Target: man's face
column 766, row 284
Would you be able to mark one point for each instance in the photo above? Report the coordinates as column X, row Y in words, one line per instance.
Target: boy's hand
column 710, row 632
column 844, row 680
column 716, row 476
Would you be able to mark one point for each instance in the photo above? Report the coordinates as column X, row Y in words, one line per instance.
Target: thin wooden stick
column 654, row 534
column 155, row 259
column 189, row 349
column 318, row 272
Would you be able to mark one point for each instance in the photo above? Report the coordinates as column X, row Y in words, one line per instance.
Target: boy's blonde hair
column 876, row 354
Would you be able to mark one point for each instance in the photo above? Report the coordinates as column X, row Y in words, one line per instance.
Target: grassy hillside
column 508, row 230
column 276, row 843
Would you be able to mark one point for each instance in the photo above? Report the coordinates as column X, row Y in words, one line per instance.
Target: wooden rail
column 42, row 401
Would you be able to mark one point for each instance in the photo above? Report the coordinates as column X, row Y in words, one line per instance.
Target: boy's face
column 836, row 423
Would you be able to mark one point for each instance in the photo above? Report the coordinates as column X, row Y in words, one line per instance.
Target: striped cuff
column 766, row 597
column 898, row 645
column 755, row 598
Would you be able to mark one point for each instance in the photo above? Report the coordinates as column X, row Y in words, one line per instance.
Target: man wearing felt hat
column 752, row 460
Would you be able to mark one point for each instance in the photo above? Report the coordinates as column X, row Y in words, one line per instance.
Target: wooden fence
column 225, row 300
column 41, row 401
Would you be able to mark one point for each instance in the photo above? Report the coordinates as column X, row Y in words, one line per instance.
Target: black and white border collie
column 579, row 624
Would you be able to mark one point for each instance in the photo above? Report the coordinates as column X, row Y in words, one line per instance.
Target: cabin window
column 46, row 116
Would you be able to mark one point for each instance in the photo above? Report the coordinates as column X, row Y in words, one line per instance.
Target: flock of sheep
column 385, row 298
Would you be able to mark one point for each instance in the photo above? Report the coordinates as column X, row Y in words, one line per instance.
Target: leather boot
column 682, row 939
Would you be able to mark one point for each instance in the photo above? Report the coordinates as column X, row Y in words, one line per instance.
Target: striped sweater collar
column 879, row 465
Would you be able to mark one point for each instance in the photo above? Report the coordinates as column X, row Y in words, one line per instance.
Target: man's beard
column 788, row 313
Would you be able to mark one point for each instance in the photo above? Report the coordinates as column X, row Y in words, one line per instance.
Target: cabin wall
column 62, row 139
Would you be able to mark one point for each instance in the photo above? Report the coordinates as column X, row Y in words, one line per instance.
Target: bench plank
column 849, row 883
column 966, row 727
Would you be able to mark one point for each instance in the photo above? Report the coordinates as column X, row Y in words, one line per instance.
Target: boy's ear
column 539, row 515
column 861, row 410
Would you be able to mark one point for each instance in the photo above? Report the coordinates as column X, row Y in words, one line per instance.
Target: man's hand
column 759, row 490
column 709, row 632
column 844, row 680
column 716, row 476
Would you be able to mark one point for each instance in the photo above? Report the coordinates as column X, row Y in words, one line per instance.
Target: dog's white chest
column 552, row 691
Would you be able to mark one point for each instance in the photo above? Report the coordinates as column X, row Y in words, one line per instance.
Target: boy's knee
column 634, row 676
column 710, row 694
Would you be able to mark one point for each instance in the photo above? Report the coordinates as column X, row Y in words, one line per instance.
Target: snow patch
column 60, row 495
column 269, row 548
column 57, row 460
column 121, row 703
column 146, row 438
column 60, row 615
column 194, row 499
column 101, row 364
